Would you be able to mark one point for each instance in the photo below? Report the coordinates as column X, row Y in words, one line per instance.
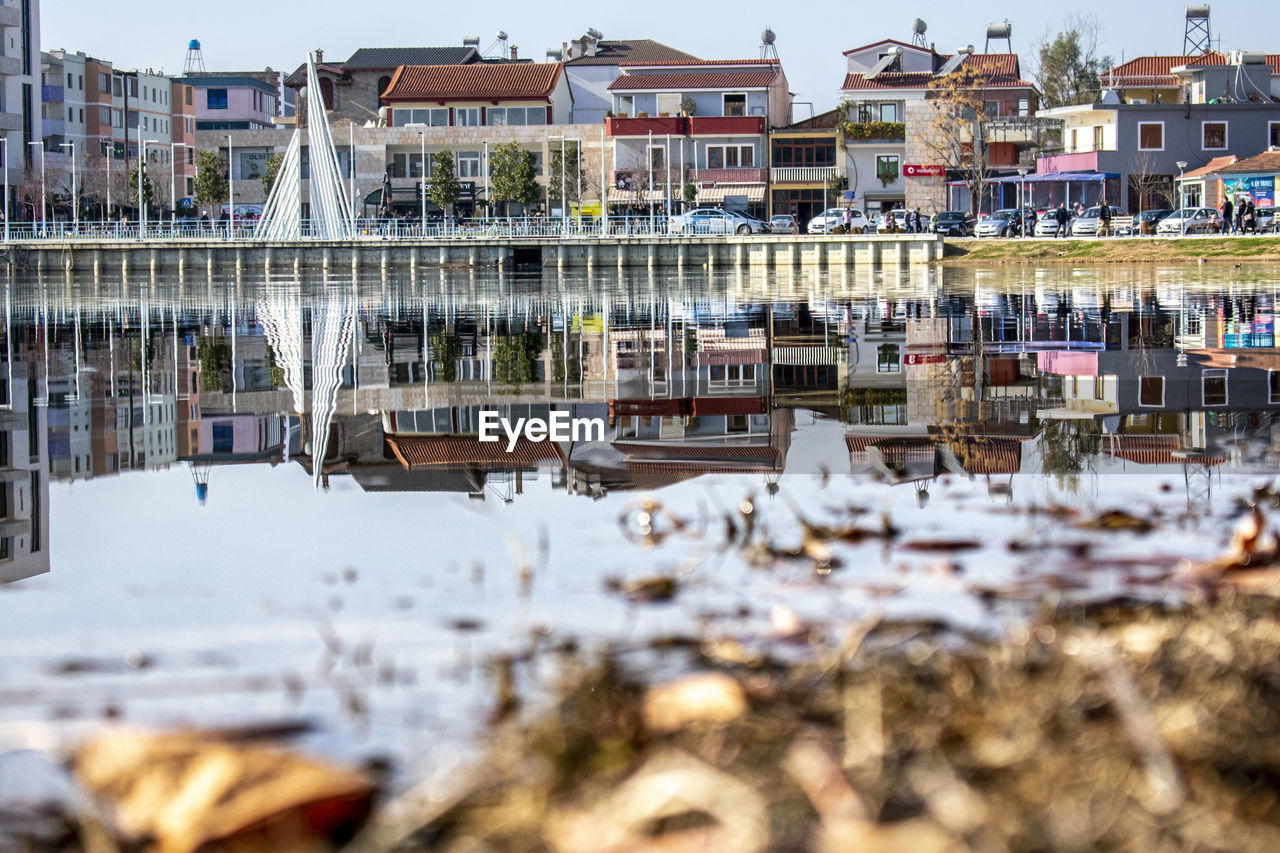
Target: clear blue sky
column 238, row 35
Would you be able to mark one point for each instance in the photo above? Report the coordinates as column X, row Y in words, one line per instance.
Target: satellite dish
column 768, row 36
column 919, row 27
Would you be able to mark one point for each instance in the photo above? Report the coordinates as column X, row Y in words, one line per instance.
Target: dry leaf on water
column 186, row 790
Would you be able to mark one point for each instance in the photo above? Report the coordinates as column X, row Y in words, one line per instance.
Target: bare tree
column 1154, row 190
column 953, row 136
column 1067, row 65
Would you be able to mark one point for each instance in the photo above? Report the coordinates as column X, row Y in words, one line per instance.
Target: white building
column 20, row 83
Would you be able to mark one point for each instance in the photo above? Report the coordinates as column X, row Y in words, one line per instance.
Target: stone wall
column 928, row 194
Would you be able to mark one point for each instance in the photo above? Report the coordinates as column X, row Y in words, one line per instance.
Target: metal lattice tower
column 1195, row 38
column 195, row 58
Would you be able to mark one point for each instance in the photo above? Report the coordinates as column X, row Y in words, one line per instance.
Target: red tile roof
column 426, row 451
column 1212, row 166
column 679, row 82
column 1267, row 161
column 633, row 51
column 1158, row 70
column 693, row 63
column 886, row 41
column 1001, row 71
column 438, row 82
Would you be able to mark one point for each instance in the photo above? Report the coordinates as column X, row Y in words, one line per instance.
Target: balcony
column 10, row 65
column 874, row 131
column 801, row 174
column 52, row 127
column 659, row 126
column 726, row 125
column 732, row 176
column 10, row 16
column 51, row 94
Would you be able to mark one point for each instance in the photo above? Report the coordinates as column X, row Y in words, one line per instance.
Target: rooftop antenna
column 768, row 48
column 1195, row 38
column 918, row 29
column 195, row 58
column 1000, row 32
column 500, row 43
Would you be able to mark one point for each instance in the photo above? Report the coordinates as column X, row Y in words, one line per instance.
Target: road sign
column 850, row 195
column 913, row 170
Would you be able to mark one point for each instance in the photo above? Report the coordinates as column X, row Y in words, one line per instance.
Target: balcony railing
column 725, row 125
column 51, row 94
column 801, row 174
column 642, row 126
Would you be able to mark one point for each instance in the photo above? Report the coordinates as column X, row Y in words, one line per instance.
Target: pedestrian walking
column 919, row 222
column 1240, row 205
column 1106, row 220
column 1063, row 217
column 848, row 219
column 1226, row 214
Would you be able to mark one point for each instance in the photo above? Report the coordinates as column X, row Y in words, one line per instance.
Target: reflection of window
column 735, row 105
column 887, row 359
column 216, row 99
column 737, row 423
column 1151, row 136
column 1273, row 382
column 1215, row 135
column 1213, row 387
column 1151, row 391
column 887, row 168
column 223, row 438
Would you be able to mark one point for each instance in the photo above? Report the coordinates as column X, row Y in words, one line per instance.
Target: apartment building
column 20, row 87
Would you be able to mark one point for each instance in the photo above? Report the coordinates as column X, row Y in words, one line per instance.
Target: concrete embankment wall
column 193, row 256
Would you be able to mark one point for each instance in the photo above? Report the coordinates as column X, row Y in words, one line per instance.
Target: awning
column 1044, row 177
column 753, row 192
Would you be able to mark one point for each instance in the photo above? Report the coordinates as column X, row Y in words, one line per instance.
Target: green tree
column 1068, row 64
column 445, row 187
column 272, row 172
column 146, row 185
column 211, row 179
column 514, row 177
column 690, row 192
column 570, row 166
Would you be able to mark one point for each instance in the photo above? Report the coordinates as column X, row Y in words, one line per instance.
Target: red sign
column 921, row 358
column 917, row 171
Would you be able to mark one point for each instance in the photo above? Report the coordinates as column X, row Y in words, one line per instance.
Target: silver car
column 1088, row 223
column 833, row 216
column 1002, row 223
column 784, row 223
column 715, row 220
column 1190, row 220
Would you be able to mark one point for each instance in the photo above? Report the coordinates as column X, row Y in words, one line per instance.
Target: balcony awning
column 753, row 192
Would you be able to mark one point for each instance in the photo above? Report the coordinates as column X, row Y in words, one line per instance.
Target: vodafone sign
column 916, row 171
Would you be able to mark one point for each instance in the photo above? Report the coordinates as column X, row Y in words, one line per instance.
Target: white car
column 1190, row 220
column 1047, row 224
column 1088, row 223
column 715, row 220
column 833, row 216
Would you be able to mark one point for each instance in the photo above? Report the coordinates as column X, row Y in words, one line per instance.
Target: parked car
column 833, row 216
column 1145, row 221
column 784, row 223
column 953, row 223
column 1090, row 222
column 1002, row 223
column 1190, row 220
column 899, row 217
column 715, row 220
column 1047, row 224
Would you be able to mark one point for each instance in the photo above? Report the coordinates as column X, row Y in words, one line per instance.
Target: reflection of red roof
column 730, row 406
column 689, row 468
column 422, row 451
column 442, row 82
column 1154, row 450
column 678, row 81
column 693, row 63
column 719, row 451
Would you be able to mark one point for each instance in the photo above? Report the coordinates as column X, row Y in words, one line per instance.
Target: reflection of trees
column 1068, row 446
column 214, row 355
column 558, row 362
column 515, row 357
column 446, row 349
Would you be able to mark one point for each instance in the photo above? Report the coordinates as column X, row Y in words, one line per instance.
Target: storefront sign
column 915, row 170
column 1261, row 189
column 922, row 358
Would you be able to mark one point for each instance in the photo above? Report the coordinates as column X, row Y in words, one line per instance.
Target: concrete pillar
column 682, row 254
column 867, row 253
column 386, row 257
column 326, row 258
column 562, row 256
column 444, row 255
column 473, row 256
column 208, row 261
column 739, row 254
column 651, row 254
column 266, row 261
column 892, row 253
column 593, row 255
column 623, row 252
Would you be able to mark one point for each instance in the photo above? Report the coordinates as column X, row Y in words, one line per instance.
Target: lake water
column 235, row 500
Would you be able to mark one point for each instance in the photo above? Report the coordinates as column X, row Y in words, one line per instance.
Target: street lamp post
column 41, row 144
column 142, row 176
column 422, row 184
column 650, row 156
column 1182, row 198
column 75, row 194
column 231, row 190
column 1022, row 198
column 173, row 167
column 4, row 141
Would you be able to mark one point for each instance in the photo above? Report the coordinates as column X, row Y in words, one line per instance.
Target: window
column 80, row 112
column 71, row 114
column 668, row 103
column 888, row 112
column 116, row 86
column 1150, row 136
column 383, row 82
column 216, row 99
column 519, row 116
column 1213, row 387
column 191, row 155
column 104, row 82
column 469, row 164
column 189, row 131
column 104, row 115
column 730, row 156
column 887, row 168
column 1213, row 135
column 1273, row 134
column 69, row 80
column 190, row 90
column 991, row 109
column 1151, row 391
column 223, row 438
column 735, row 105
column 466, row 116
column 1097, row 138
column 887, row 360
column 1273, row 383
column 1075, row 140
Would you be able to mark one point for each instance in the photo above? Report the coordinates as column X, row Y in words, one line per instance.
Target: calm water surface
column 235, row 500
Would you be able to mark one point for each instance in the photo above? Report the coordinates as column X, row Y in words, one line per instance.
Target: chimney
column 513, row 52
column 319, row 56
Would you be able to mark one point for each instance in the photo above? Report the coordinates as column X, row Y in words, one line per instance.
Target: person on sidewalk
column 1226, row 214
column 1063, row 218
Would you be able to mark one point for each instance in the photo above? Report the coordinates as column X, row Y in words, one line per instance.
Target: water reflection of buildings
column 24, row 481
column 979, row 378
